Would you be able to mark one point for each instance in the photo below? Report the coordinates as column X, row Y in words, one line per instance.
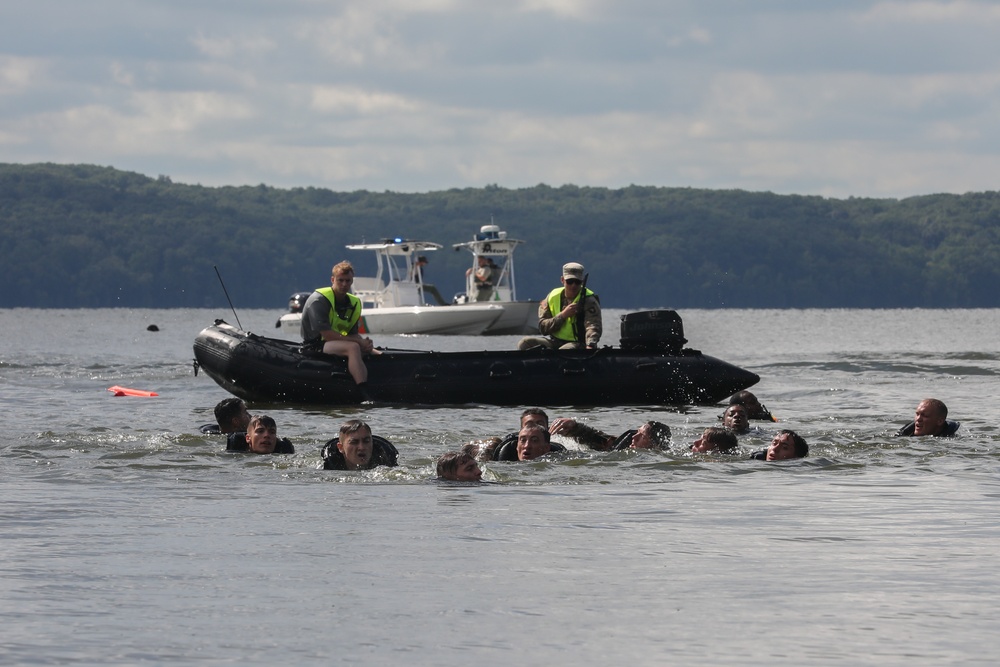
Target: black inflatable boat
column 650, row 368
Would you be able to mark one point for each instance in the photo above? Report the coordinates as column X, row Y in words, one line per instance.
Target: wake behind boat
column 651, row 368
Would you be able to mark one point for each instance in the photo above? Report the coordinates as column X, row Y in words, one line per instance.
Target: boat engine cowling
column 654, row 330
column 297, row 301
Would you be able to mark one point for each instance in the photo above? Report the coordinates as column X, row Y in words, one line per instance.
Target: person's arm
column 587, row 436
column 593, row 322
column 547, row 323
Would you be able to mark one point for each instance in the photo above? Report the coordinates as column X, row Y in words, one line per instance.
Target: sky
column 816, row 97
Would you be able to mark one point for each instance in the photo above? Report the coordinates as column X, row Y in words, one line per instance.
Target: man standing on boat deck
column 418, row 277
column 483, row 278
column 330, row 320
column 558, row 314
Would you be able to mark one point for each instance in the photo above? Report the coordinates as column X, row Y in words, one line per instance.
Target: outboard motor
column 653, row 330
column 297, row 301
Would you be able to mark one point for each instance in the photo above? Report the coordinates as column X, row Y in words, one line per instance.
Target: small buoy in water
column 152, row 327
column 125, row 391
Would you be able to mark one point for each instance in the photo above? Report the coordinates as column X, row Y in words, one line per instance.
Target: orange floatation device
column 125, row 391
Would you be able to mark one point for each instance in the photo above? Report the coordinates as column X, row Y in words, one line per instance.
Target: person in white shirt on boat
column 330, row 322
column 559, row 311
column 483, row 278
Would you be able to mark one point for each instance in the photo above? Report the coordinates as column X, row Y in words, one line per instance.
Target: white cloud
column 17, row 74
column 932, row 12
column 854, row 98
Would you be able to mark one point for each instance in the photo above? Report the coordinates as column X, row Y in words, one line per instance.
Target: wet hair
column 342, row 267
column 722, row 438
column 353, row 426
column 262, row 420
column 938, row 406
column 481, row 450
column 660, row 433
column 801, row 446
column 536, row 427
column 226, row 410
column 447, row 463
column 742, row 398
column 537, row 412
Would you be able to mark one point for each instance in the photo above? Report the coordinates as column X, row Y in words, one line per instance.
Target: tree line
column 89, row 236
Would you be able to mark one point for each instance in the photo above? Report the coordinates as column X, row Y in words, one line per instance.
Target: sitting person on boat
column 330, row 321
column 715, row 439
column 483, row 277
column 355, row 448
column 261, row 437
column 427, row 288
column 559, row 315
column 931, row 418
column 532, row 442
column 458, row 467
column 755, row 409
column 231, row 416
column 784, row 446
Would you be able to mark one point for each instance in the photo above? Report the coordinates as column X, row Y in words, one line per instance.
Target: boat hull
column 257, row 368
column 519, row 318
column 422, row 320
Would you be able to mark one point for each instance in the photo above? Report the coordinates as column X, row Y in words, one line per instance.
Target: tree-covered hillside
column 87, row 236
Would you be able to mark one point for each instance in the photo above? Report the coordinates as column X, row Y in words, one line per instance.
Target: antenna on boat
column 227, row 296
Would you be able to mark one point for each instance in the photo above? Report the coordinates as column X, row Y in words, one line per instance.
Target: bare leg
column 355, row 364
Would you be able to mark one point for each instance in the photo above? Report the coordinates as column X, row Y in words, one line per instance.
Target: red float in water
column 125, row 391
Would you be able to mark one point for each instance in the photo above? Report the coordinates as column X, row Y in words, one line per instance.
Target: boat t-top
column 519, row 317
column 393, row 300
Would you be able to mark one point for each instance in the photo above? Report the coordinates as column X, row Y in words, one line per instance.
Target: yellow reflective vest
column 567, row 331
column 338, row 323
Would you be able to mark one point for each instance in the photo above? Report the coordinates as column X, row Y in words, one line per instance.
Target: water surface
column 128, row 536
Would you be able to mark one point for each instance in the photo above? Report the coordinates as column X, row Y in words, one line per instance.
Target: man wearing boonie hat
column 559, row 311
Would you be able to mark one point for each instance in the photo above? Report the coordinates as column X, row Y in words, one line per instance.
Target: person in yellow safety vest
column 330, row 320
column 558, row 313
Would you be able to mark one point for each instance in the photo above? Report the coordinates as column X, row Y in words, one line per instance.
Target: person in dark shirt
column 428, row 288
column 736, row 419
column 331, row 322
column 355, row 448
column 931, row 418
column 785, row 445
column 231, row 416
column 261, row 437
column 715, row 439
column 458, row 467
column 755, row 409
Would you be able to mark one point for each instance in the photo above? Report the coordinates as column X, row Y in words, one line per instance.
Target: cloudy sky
column 835, row 98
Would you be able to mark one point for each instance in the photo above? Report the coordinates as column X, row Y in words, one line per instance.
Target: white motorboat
column 519, row 317
column 393, row 300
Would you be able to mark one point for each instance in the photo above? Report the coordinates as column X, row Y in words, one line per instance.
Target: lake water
column 127, row 536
